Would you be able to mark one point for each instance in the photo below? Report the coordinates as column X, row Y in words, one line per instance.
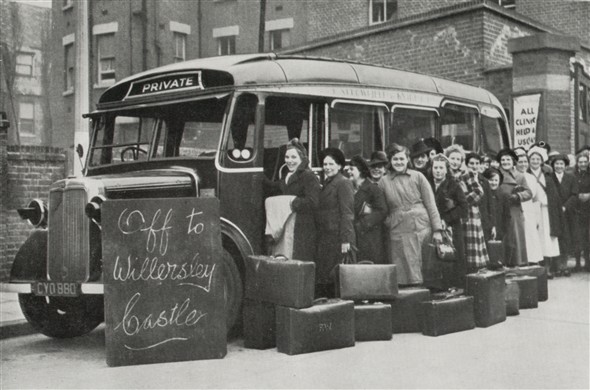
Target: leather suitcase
column 406, row 311
column 445, row 316
column 259, row 324
column 496, row 254
column 328, row 324
column 487, row 290
column 282, row 282
column 528, row 297
column 372, row 321
column 366, row 281
column 541, row 275
column 511, row 298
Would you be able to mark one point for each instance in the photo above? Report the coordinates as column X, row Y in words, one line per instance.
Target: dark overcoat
column 556, row 216
column 335, row 220
column 305, row 186
column 485, row 207
column 369, row 227
column 568, row 198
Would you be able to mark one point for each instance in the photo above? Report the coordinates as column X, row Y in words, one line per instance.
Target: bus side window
column 285, row 118
column 459, row 126
column 240, row 145
column 408, row 125
column 357, row 128
column 492, row 126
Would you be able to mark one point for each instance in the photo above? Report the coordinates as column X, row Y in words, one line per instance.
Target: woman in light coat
column 413, row 218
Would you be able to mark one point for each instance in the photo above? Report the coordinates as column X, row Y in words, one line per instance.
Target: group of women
column 396, row 206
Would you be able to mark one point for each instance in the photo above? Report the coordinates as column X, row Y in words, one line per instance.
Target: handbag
column 445, row 249
column 350, row 256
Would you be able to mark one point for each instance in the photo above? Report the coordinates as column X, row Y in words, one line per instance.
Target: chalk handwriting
column 196, row 228
column 325, row 327
column 179, row 315
column 155, row 345
column 193, row 273
column 131, row 222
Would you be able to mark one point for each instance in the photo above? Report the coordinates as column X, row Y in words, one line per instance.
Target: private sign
column 164, row 84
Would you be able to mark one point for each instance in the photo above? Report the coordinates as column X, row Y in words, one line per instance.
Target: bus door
column 357, row 128
column 411, row 123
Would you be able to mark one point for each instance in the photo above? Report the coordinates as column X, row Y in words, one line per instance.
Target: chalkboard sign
column 163, row 280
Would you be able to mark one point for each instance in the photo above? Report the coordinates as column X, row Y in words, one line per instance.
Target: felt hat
column 488, row 173
column 378, row 158
column 433, row 143
column 419, row 148
column 336, row 154
column 506, row 152
column 560, row 156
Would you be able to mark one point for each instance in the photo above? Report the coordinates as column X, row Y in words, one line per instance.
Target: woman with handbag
column 300, row 182
column 515, row 188
column 452, row 207
column 413, row 217
column 335, row 218
column 369, row 212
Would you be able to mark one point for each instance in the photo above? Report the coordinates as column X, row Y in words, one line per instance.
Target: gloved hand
column 514, row 199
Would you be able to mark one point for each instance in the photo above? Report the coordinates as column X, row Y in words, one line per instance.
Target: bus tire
column 63, row 317
column 232, row 291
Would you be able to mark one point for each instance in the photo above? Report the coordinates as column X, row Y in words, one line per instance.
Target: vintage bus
column 215, row 127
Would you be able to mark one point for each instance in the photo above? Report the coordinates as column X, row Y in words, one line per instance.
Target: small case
column 487, row 289
column 528, row 297
column 372, row 321
column 406, row 311
column 328, row 324
column 367, row 281
column 512, row 298
column 446, row 316
column 540, row 273
column 259, row 324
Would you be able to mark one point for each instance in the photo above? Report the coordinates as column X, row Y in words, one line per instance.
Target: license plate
column 56, row 289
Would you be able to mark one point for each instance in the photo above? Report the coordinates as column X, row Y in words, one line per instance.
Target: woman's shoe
column 567, row 273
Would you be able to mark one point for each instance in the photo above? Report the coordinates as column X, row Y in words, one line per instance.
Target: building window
column 26, row 118
column 106, row 59
column 226, row 45
column 583, row 103
column 24, row 64
column 69, row 67
column 382, row 10
column 508, row 4
column 279, row 39
column 179, row 47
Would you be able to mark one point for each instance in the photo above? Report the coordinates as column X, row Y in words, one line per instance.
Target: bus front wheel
column 232, row 291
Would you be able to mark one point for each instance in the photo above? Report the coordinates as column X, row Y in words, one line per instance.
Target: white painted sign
column 526, row 114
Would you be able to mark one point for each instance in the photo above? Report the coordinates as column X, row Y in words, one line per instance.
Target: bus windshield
column 187, row 130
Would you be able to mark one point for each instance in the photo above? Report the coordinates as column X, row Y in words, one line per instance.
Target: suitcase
column 527, row 285
column 496, row 254
column 406, row 311
column 445, row 316
column 259, row 324
column 372, row 321
column 541, row 275
column 487, row 290
column 328, row 324
column 366, row 281
column 282, row 282
column 511, row 297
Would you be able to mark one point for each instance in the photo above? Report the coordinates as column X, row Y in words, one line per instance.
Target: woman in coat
column 582, row 222
column 452, row 207
column 476, row 253
column 551, row 219
column 335, row 218
column 515, row 188
column 413, row 217
column 303, row 184
column 369, row 212
column 567, row 187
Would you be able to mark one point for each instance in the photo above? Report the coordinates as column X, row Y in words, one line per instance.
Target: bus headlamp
column 92, row 209
column 35, row 213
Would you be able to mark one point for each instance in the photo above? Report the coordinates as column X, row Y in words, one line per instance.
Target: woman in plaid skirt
column 476, row 253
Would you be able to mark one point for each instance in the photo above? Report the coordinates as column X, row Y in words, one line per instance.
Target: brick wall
column 407, row 8
column 570, row 16
column 27, row 173
column 331, row 17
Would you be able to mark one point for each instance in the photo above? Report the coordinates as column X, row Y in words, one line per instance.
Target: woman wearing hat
column 515, row 188
column 369, row 212
column 413, row 217
column 419, row 155
column 582, row 225
column 302, row 183
column 500, row 216
column 551, row 219
column 567, row 187
column 378, row 165
column 335, row 218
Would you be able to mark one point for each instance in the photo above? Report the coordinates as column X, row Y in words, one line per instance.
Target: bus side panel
column 241, row 198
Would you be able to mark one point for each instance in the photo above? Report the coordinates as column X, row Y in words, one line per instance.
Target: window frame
column 437, row 128
column 69, row 77
column 175, row 35
column 226, row 42
column 476, row 138
column 101, row 81
column 30, row 66
column 385, row 19
column 31, row 120
column 280, row 32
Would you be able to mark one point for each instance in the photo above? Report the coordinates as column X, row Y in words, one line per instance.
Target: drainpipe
column 81, row 85
column 261, row 26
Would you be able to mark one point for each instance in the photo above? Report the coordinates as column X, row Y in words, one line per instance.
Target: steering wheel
column 134, row 150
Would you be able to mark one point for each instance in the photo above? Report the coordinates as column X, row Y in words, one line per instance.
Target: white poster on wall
column 525, row 114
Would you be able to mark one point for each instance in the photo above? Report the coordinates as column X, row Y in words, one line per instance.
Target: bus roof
column 226, row 72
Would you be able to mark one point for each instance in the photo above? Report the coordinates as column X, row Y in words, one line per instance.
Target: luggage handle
column 280, row 257
column 320, row 301
column 366, row 262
